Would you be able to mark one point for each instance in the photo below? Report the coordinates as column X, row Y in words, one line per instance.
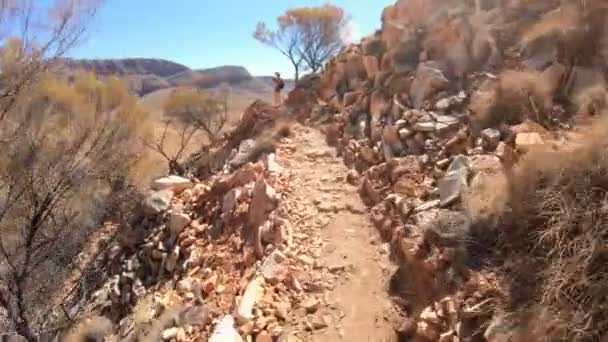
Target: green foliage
column 306, row 35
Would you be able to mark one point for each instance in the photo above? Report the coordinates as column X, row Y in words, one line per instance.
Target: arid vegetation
column 67, row 144
column 190, row 112
column 555, row 232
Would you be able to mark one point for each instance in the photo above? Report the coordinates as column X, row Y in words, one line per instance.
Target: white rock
column 401, row 123
column 405, row 133
column 170, row 333
column 448, row 120
column 305, row 259
column 225, row 331
column 427, row 206
column 447, row 336
column 443, row 104
column 523, row 140
column 424, row 127
column 272, row 165
column 185, row 285
column 175, row 183
column 158, row 201
column 253, row 293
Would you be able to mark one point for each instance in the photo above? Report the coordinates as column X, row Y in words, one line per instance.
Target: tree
column 61, row 141
column 306, row 35
column 64, row 141
column 188, row 112
column 35, row 34
column 287, row 40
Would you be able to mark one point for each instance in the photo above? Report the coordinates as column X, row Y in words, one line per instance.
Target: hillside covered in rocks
column 462, row 123
column 446, row 182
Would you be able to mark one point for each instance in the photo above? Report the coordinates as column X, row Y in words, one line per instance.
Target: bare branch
column 307, row 36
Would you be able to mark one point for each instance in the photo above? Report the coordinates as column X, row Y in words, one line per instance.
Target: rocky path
column 332, row 228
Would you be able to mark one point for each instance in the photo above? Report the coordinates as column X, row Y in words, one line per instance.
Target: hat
column 277, row 74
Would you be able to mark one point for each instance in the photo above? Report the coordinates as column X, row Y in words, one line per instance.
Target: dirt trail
column 333, row 220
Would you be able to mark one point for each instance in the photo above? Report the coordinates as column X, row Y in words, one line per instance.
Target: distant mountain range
column 147, row 75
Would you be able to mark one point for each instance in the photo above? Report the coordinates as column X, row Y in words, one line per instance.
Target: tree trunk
column 22, row 325
column 24, row 331
column 296, row 70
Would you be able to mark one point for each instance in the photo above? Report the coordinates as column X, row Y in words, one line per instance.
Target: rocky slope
column 432, row 113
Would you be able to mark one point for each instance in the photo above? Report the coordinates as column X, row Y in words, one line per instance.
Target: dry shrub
column 577, row 28
column 267, row 142
column 283, row 129
column 552, row 23
column 64, row 142
column 487, row 196
column 94, row 329
column 151, row 318
column 555, row 233
column 592, row 100
column 516, row 95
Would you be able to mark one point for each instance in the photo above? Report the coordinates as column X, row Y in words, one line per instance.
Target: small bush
column 592, row 100
column 516, row 95
column 552, row 23
column 553, row 238
column 94, row 329
column 283, row 130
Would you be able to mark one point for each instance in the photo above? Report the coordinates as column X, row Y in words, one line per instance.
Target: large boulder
column 371, row 65
column 353, row 66
column 245, row 153
column 458, row 58
column 380, row 106
column 177, row 223
column 263, row 200
column 351, row 98
column 398, row 82
column 225, row 331
column 380, row 103
column 391, row 28
column 373, row 45
column 484, row 49
column 404, row 56
column 454, row 183
column 428, row 81
column 158, row 202
column 391, row 142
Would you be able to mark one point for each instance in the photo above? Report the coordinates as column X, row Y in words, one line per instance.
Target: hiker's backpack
column 281, row 84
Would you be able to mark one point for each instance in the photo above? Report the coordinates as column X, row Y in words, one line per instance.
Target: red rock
column 263, row 336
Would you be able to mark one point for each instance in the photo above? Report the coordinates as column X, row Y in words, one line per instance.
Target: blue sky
column 204, row 33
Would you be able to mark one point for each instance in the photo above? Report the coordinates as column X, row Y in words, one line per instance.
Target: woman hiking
column 278, row 86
